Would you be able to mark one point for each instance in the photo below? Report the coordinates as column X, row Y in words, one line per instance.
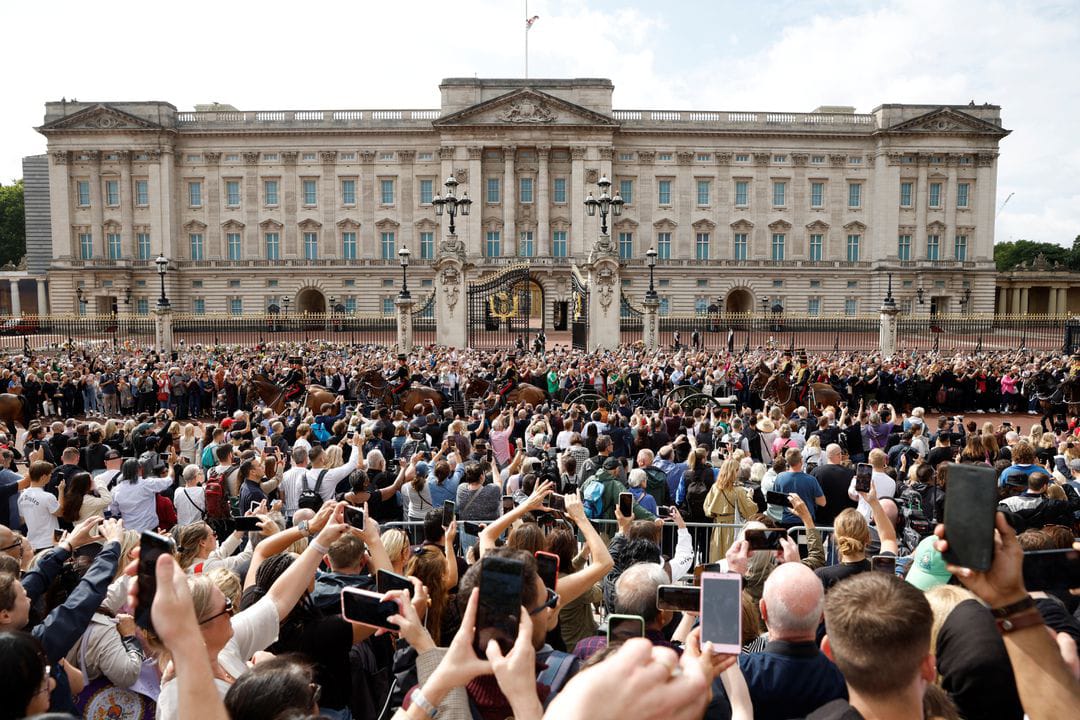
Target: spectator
column 794, row 480
column 635, row 594
column 135, row 497
column 883, row 485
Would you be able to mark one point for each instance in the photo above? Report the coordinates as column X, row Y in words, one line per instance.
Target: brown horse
column 13, row 409
column 377, row 388
column 273, row 395
column 778, row 389
column 478, row 388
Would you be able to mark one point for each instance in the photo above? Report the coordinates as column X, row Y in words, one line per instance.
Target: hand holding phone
column 354, row 517
column 626, row 504
column 970, row 515
column 777, row 498
column 863, row 474
column 151, row 547
column 449, row 509
column 498, row 612
column 721, row 611
column 368, row 608
column 547, row 567
column 246, row 523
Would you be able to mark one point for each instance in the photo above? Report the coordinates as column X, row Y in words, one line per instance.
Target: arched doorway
column 310, row 300
column 739, row 300
column 531, row 303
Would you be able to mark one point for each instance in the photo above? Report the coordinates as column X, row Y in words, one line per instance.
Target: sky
column 782, row 55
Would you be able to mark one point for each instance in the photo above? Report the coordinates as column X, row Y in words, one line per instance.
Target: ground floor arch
column 310, row 300
column 739, row 300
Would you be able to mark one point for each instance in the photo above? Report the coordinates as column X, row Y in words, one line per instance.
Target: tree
column 1008, row 255
column 12, row 223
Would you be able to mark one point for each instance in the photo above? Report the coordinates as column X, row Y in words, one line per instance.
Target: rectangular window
column 270, row 192
column 142, row 245
column 112, row 193
column 558, row 243
column 348, row 245
column 853, row 248
column 742, row 158
column 232, row 243
column 663, row 246
column 386, row 192
column 198, row 306
column 626, row 190
column 86, row 246
column 701, row 305
column 813, row 306
column 854, row 195
column 493, row 190
column 817, row 194
column 232, row 193
column 526, row 247
column 703, row 192
column 558, row 191
column 742, row 192
column 933, row 247
column 626, row 157
column 236, row 306
column 903, row 247
column 83, row 191
column 960, row 247
column 779, row 194
column 935, row 195
column 851, row 306
column 626, row 245
column 816, row 245
column 142, row 306
column 142, row 193
column 664, row 156
column 388, row 306
column 427, row 191
column 817, row 159
column 701, row 246
column 348, row 192
column 664, row 192
column 665, row 306
column 350, row 304
column 780, row 159
column 196, row 242
column 273, row 246
column 311, row 192
column 387, row 246
column 311, row 246
column 740, row 246
column 778, row 242
column 962, row 192
column 427, row 246
column 194, row 194
column 525, row 186
column 905, row 194
column 493, row 246
column 112, row 242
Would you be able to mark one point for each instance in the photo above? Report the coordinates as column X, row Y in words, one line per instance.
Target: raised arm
column 886, row 531
column 293, row 583
column 576, row 584
column 489, row 534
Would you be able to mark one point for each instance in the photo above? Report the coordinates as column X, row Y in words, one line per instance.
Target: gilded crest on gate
column 503, row 305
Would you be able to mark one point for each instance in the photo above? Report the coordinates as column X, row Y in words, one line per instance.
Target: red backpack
column 217, row 493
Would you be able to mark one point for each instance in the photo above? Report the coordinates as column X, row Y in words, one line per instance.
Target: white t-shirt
column 37, row 507
column 289, row 487
column 189, row 503
column 883, row 484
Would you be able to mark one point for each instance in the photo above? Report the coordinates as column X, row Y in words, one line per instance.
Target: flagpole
column 526, row 40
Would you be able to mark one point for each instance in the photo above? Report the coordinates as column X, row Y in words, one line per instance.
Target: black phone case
column 969, row 516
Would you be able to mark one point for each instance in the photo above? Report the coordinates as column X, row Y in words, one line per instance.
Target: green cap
column 927, row 566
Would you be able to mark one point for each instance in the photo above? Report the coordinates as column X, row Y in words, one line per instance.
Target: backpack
column 592, row 498
column 696, row 491
column 916, row 525
column 217, row 493
column 311, row 499
column 320, row 432
column 656, row 485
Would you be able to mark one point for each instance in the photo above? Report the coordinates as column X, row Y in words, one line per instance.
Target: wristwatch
column 304, row 529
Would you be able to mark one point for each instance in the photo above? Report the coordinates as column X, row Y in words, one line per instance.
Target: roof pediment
column 947, row 121
column 100, row 117
column 525, row 107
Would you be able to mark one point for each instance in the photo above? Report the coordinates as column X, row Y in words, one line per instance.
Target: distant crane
column 1005, row 203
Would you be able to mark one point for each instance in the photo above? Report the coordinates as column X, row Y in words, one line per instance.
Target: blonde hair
column 396, row 543
column 757, row 471
column 128, row 542
column 852, row 532
column 942, row 599
column 228, row 582
column 814, row 441
column 729, row 471
column 188, row 538
column 333, row 456
column 189, row 430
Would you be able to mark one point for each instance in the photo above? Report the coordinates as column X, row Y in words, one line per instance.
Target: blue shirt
column 446, row 491
column 1020, row 470
column 675, row 473
column 804, row 485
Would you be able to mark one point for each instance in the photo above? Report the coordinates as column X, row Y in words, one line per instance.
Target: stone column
column 367, row 236
column 42, row 298
column 16, row 306
column 651, row 327
column 1023, row 301
column 127, row 207
column 163, row 329
column 451, row 313
column 1002, row 300
column 1063, row 300
column 97, row 203
column 510, row 240
column 474, row 241
column 578, row 192
column 543, row 203
column 887, row 328
column 1051, row 301
column 604, row 296
column 404, row 307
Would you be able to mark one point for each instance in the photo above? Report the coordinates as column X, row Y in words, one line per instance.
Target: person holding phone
column 852, row 535
column 883, row 485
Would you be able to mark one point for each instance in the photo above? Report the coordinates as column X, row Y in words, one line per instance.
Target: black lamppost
column 285, row 301
column 764, row 305
column 605, row 203
column 80, row 295
column 451, row 204
column 889, row 303
column 403, row 256
column 919, row 294
column 650, row 260
column 162, row 268
column 965, row 300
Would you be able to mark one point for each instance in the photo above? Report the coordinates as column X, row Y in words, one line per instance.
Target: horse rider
column 801, row 375
column 295, row 380
column 509, row 379
column 401, row 377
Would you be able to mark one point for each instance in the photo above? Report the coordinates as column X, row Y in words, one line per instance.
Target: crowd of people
column 852, row 612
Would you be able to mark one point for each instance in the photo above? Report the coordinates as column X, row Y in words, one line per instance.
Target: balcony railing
column 814, row 122
column 307, row 119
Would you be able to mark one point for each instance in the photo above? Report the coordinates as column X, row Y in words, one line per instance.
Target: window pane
column 311, row 246
column 232, row 193
column 559, row 191
column 702, row 192
column 701, row 246
column 962, row 195
column 525, row 246
column 270, row 190
column 387, row 192
column 626, row 190
column 310, row 193
column 905, row 194
column 494, row 244
column 142, row 240
column 779, row 193
column 196, row 240
column 558, row 243
column 932, row 247
column 113, row 241
column 236, row 306
column 854, row 195
column 664, row 192
column 960, row 247
column 233, row 242
column 348, row 192
column 84, row 193
column 853, row 248
column 663, row 246
column 626, row 245
column 273, row 246
column 112, row 192
column 526, row 190
column 778, row 242
column 142, row 193
column 493, row 190
column 816, row 243
column 741, row 192
column 817, row 194
column 903, row 247
column 935, row 194
column 426, row 192
column 195, row 194
column 740, row 246
column 348, row 245
column 388, row 251
column 427, row 245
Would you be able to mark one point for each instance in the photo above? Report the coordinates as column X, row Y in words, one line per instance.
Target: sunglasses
column 551, row 602
column 227, row 611
column 12, row 546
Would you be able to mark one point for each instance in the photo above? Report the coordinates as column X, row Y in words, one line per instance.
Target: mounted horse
column 1054, row 399
column 478, row 389
column 377, row 389
column 273, row 395
column 776, row 387
column 13, row 409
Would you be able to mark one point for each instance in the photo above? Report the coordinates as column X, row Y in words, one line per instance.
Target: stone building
column 254, row 208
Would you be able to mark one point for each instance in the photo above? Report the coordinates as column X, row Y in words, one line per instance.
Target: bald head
column 303, row 514
column 833, row 454
column 792, row 603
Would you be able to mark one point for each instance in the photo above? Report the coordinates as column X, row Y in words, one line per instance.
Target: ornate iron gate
column 423, row 322
column 499, row 309
column 579, row 311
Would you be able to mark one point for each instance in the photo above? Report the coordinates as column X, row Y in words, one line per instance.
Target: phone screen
column 764, row 539
column 863, row 473
column 969, row 516
column 547, row 567
column 884, row 563
column 151, row 547
column 557, row 502
column 448, row 509
column 624, row 627
column 663, row 511
column 354, row 516
column 498, row 613
column 721, row 611
column 707, row 567
column 678, row 598
column 473, row 528
column 626, row 504
column 385, row 581
column 368, row 608
column 1052, row 570
column 508, row 505
column 247, row 523
column 777, row 498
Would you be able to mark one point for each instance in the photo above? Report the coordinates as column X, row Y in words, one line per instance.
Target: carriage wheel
column 699, row 400
column 589, row 399
column 680, row 393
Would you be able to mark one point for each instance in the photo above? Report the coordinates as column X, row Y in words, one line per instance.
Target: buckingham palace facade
column 745, row 209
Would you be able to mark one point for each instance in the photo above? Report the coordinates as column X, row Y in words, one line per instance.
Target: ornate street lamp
column 650, row 260
column 764, row 305
column 162, row 268
column 605, row 203
column 451, row 203
column 80, row 296
column 403, row 256
column 889, row 302
column 285, row 301
column 919, row 294
column 965, row 300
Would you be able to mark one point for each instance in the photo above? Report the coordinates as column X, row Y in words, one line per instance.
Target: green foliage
column 1008, row 255
column 12, row 223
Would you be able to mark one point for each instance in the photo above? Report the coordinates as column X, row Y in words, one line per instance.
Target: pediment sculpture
column 527, row 110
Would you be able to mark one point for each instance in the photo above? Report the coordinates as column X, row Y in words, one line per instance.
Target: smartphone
column 969, row 516
column 884, row 563
column 499, row 611
column 472, row 528
column 508, row 505
column 448, row 510
column 678, row 598
column 151, row 547
column 57, row 534
column 385, row 581
column 254, row 507
column 350, row 434
column 664, row 511
column 246, row 523
column 777, row 498
column 721, row 611
column 626, row 504
column 1055, row 571
column 764, row 539
column 368, row 608
column 624, row 627
column 863, row 473
column 354, row 516
column 556, row 502
column 547, row 567
column 707, row 567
